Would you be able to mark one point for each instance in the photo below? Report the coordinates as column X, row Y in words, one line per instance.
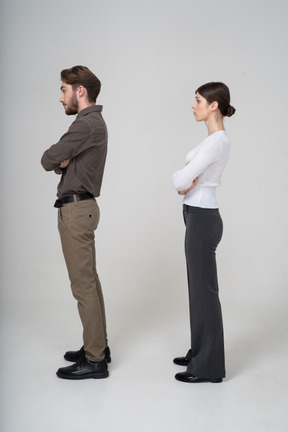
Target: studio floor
column 141, row 393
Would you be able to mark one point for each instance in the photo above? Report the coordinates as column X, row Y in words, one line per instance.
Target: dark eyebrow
column 62, row 88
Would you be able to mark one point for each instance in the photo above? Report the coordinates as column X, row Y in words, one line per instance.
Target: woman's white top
column 207, row 162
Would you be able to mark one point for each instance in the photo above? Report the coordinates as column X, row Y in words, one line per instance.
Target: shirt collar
column 88, row 110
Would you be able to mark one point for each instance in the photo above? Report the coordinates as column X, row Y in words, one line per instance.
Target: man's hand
column 64, row 164
column 195, row 181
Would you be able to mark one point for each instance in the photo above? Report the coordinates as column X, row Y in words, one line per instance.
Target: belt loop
column 75, row 199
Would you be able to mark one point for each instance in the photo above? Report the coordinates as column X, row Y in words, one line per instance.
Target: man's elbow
column 46, row 164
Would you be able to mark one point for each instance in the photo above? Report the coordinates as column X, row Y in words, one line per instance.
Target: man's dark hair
column 81, row 75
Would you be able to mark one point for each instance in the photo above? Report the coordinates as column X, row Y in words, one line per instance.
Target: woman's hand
column 64, row 164
column 195, row 181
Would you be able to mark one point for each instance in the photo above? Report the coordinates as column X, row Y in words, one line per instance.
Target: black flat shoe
column 183, row 361
column 74, row 356
column 84, row 369
column 188, row 378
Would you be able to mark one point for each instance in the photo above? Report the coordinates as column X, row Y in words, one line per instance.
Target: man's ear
column 81, row 91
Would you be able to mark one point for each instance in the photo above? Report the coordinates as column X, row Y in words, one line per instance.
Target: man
column 80, row 157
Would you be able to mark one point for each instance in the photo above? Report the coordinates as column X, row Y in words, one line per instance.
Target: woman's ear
column 214, row 106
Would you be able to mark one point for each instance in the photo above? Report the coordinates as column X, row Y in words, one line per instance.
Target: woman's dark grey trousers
column 204, row 229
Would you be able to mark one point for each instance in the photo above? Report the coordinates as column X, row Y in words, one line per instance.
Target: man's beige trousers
column 77, row 222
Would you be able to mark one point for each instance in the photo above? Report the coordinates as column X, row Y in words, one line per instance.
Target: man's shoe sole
column 95, row 375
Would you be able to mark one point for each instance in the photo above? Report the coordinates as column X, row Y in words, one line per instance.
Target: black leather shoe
column 84, row 369
column 74, row 356
column 187, row 377
column 183, row 361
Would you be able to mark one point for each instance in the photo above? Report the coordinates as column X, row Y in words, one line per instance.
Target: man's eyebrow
column 62, row 87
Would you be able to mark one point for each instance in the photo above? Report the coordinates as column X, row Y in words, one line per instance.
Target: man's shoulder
column 90, row 122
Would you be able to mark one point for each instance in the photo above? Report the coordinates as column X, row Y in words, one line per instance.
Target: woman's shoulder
column 216, row 144
column 219, row 137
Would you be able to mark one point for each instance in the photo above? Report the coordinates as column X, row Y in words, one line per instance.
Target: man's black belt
column 71, row 198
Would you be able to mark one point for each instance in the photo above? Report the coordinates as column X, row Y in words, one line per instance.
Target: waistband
column 71, row 198
column 191, row 209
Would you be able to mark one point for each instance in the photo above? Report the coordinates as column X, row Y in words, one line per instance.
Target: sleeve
column 208, row 153
column 72, row 143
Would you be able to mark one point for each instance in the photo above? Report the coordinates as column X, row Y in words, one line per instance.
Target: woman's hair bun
column 230, row 111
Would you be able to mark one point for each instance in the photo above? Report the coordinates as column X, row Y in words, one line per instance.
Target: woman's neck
column 214, row 125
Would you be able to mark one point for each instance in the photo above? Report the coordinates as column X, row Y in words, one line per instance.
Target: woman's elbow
column 177, row 183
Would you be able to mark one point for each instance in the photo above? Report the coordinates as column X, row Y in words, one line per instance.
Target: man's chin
column 70, row 112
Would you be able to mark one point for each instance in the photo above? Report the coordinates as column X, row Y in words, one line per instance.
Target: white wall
column 150, row 56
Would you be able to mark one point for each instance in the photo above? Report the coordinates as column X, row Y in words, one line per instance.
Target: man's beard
column 72, row 106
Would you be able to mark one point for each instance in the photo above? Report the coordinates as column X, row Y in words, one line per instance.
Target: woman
column 197, row 181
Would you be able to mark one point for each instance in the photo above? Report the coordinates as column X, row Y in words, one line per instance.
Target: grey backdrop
column 150, row 56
